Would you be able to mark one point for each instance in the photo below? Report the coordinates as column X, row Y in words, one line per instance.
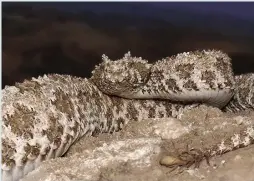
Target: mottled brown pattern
column 184, row 70
column 161, row 114
column 22, row 121
column 222, row 65
column 28, row 86
column 109, row 116
column 132, row 111
column 209, row 77
column 127, row 74
column 118, row 103
column 243, row 93
column 62, row 102
column 143, row 71
column 120, row 122
column 229, row 143
column 190, row 85
column 151, row 113
column 31, row 151
column 68, row 107
column 171, row 84
column 156, row 78
column 8, row 149
column 168, row 108
column 55, row 130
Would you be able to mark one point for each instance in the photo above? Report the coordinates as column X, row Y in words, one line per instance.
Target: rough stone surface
column 44, row 116
column 134, row 152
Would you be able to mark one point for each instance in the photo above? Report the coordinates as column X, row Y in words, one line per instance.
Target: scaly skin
column 244, row 93
column 43, row 117
column 201, row 76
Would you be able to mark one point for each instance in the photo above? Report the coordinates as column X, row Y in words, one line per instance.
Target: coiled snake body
column 42, row 117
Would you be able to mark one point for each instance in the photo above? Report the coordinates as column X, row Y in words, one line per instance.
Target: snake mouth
column 217, row 98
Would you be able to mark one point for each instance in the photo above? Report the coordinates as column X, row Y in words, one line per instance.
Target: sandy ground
column 135, row 152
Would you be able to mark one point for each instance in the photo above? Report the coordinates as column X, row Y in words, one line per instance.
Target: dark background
column 70, row 38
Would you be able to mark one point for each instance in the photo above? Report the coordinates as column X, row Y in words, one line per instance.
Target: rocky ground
column 135, row 152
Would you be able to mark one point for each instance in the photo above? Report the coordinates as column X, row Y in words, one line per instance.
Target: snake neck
column 243, row 98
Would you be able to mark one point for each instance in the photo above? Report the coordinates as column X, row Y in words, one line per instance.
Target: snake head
column 122, row 77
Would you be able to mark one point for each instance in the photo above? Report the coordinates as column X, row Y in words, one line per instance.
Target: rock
column 135, row 152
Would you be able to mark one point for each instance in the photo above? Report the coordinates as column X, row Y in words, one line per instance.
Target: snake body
column 43, row 117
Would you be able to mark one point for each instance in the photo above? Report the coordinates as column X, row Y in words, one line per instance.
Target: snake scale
column 44, row 116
